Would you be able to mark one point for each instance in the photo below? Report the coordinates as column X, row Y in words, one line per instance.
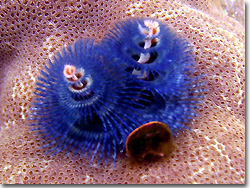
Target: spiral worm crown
column 83, row 103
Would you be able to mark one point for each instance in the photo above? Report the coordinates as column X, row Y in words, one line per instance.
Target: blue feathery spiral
column 91, row 97
column 127, row 42
column 91, row 112
column 163, row 62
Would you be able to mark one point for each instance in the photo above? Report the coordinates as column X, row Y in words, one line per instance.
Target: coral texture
column 33, row 31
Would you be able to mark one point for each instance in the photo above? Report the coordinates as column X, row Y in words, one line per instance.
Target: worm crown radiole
column 89, row 98
column 83, row 102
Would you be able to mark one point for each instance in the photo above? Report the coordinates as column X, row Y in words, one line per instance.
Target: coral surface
column 33, row 31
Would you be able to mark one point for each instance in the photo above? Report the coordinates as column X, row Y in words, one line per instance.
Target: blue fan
column 162, row 61
column 83, row 103
column 91, row 97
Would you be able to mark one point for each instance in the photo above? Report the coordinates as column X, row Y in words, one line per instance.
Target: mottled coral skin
column 214, row 152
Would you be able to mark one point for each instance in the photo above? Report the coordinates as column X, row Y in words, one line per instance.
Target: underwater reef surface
column 213, row 152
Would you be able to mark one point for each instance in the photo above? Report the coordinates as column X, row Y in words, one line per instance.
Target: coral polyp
column 82, row 103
